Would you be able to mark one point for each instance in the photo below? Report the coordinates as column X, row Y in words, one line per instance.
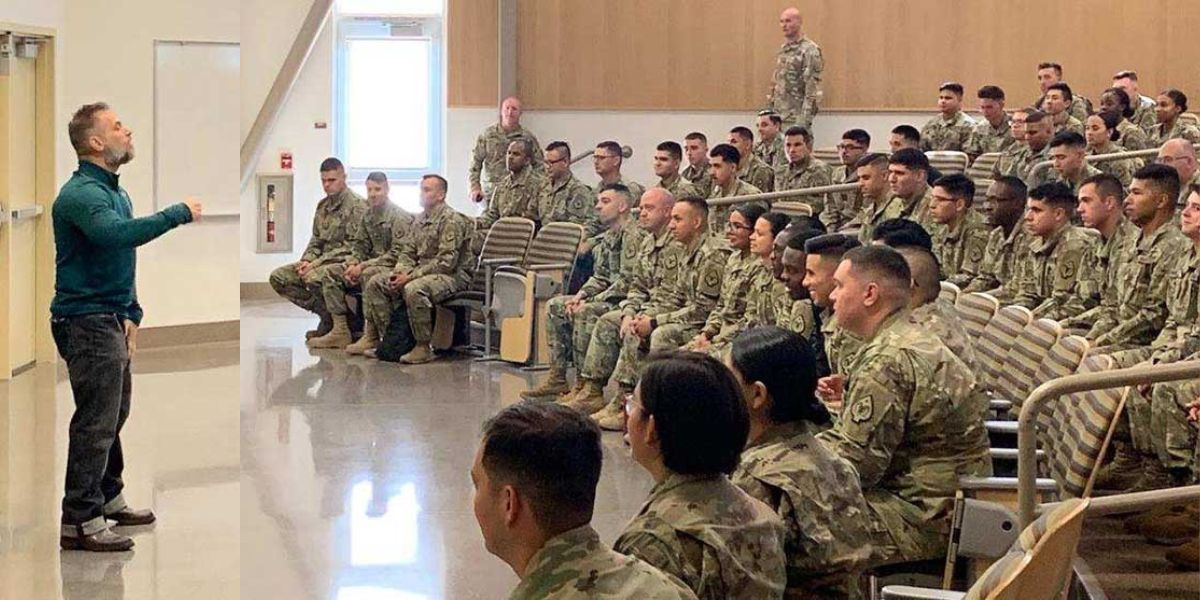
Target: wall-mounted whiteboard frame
column 197, row 95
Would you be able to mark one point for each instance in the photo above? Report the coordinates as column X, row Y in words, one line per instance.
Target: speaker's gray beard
column 115, row 159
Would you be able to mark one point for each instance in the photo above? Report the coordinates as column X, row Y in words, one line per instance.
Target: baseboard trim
column 183, row 335
column 258, row 290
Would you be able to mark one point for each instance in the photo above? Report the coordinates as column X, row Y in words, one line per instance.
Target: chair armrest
column 549, row 267
column 907, row 592
column 492, row 262
column 1002, row 426
column 1000, row 404
column 1011, row 454
column 1043, row 484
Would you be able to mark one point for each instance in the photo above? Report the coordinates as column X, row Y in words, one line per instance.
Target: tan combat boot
column 590, row 399
column 323, row 327
column 1186, row 557
column 338, row 337
column 569, row 395
column 612, row 416
column 554, row 385
column 420, row 354
column 368, row 341
column 1123, row 472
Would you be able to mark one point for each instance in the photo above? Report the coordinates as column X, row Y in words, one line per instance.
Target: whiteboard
column 196, row 106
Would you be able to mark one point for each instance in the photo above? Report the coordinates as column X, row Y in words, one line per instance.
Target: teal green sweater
column 95, row 236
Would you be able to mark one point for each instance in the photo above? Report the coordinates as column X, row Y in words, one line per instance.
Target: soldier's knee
column 279, row 277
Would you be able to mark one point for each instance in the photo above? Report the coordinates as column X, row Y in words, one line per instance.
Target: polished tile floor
column 181, row 448
column 355, row 480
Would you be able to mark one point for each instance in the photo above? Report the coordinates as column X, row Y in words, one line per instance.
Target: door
column 18, row 234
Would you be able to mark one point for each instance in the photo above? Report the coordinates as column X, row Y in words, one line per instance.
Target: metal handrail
column 769, row 196
column 1080, row 382
column 1095, row 158
column 1134, row 501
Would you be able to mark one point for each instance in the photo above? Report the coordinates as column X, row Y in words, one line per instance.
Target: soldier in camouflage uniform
column 1002, row 207
column 960, row 242
column 517, row 195
column 431, row 264
column 799, row 68
column 1141, row 107
column 951, row 129
column 381, row 223
column 546, row 536
column 872, row 175
column 571, row 319
column 1100, row 208
column 1056, row 102
column 993, row 133
column 607, row 161
column 1181, row 156
column 695, row 146
column 695, row 269
column 563, row 197
column 907, row 180
column 842, row 208
column 667, row 157
column 822, row 256
column 1131, row 135
column 1099, row 129
column 1171, row 104
column 1038, row 131
column 911, row 425
column 645, row 278
column 1046, row 279
column 696, row 525
column 337, row 215
column 1049, row 75
column 813, row 490
column 1067, row 150
column 740, row 268
column 488, row 156
column 929, row 312
column 802, row 170
column 769, row 146
column 722, row 166
column 796, row 310
column 751, row 168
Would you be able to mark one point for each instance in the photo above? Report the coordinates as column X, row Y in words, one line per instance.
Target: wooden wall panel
column 880, row 54
column 472, row 67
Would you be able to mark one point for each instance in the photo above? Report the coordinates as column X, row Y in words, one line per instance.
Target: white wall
column 190, row 274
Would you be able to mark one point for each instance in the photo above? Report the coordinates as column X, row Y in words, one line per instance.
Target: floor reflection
column 355, row 473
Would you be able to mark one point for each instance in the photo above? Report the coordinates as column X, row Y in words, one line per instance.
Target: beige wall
column 880, row 54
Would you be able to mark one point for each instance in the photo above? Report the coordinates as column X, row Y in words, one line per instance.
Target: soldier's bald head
column 659, row 196
column 791, row 12
column 1180, row 154
column 926, row 283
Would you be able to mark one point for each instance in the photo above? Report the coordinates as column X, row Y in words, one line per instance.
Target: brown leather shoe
column 101, row 541
column 131, row 518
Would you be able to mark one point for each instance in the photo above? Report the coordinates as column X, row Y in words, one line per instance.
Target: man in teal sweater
column 94, row 318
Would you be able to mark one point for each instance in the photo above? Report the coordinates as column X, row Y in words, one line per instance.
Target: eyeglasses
column 555, row 161
column 1166, row 160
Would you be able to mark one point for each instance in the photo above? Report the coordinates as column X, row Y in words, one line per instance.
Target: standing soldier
column 338, row 214
column 382, row 223
column 488, row 155
column 799, row 68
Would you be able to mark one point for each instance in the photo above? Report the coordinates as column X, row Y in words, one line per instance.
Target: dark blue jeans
column 98, row 363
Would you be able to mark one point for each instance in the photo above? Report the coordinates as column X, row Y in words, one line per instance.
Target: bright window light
column 390, row 7
column 387, row 103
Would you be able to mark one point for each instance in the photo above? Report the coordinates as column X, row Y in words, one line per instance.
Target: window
column 389, row 98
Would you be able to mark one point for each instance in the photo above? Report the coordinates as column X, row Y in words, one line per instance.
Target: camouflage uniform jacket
column 1089, row 170
column 1079, row 109
column 1123, row 169
column 1046, row 279
column 718, row 216
column 771, row 152
column 648, row 279
column 635, row 189
column 807, row 173
column 985, row 138
column 757, row 173
column 737, row 276
column 817, row 495
column 380, row 228
column 1159, row 135
column 796, row 83
column 1070, row 124
column 616, row 261
column 695, row 274
column 1142, row 284
column 440, row 244
column 713, row 536
column 334, row 225
column 490, row 149
column 699, row 178
column 1143, row 113
column 571, row 201
column 1096, row 289
column 1133, row 137
column 960, row 252
column 515, row 196
column 941, row 319
column 574, row 565
column 940, row 133
column 678, row 186
column 765, row 300
column 913, row 208
column 1000, row 257
column 1180, row 336
column 842, row 208
column 841, row 346
column 911, row 426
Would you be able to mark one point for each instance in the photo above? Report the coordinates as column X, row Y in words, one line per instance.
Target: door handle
column 26, row 213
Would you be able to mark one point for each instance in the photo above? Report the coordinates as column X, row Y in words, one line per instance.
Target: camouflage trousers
column 634, row 349
column 303, row 291
column 334, row 286
column 899, row 531
column 569, row 337
column 603, row 348
column 419, row 296
column 1173, row 437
